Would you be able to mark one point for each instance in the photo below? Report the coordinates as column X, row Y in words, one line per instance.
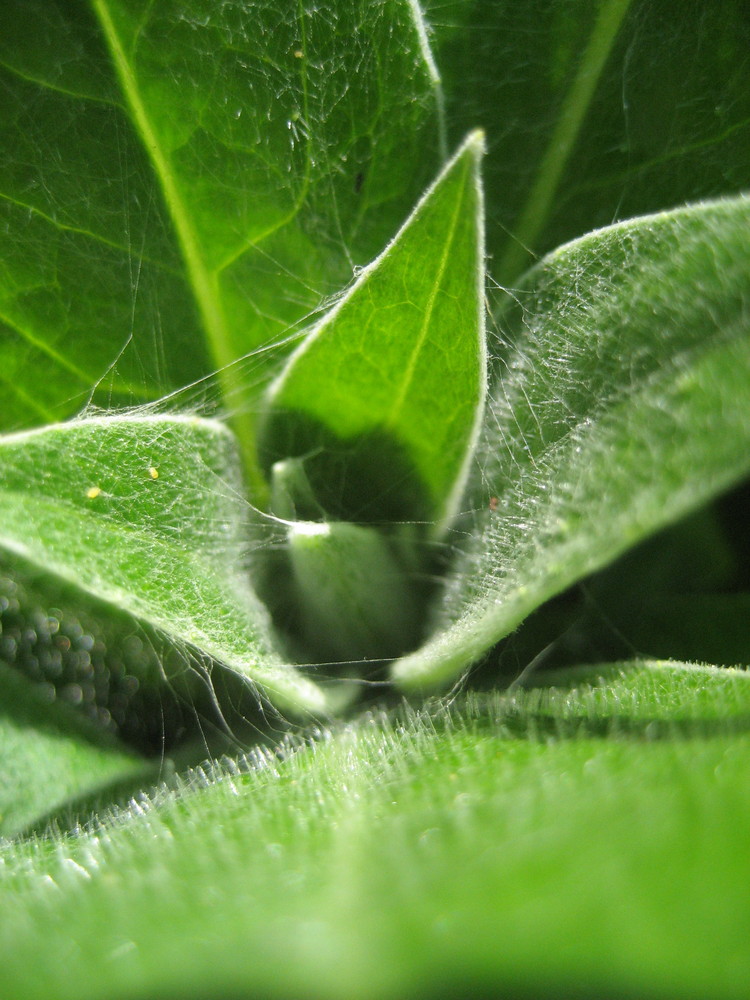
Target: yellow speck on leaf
column 298, row 53
column 153, row 472
column 93, row 492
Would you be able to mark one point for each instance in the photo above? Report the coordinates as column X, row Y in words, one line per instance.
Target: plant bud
column 356, row 602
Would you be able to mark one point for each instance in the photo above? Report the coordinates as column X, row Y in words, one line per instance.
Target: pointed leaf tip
column 476, row 141
column 384, row 396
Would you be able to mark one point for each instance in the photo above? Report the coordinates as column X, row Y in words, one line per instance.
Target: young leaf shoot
column 386, row 393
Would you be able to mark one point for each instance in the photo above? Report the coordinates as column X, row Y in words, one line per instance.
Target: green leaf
column 147, row 513
column 595, row 111
column 179, row 183
column 604, row 820
column 385, row 396
column 622, row 407
column 50, row 755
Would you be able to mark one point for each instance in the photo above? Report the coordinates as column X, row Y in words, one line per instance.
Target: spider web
column 192, row 190
column 188, row 206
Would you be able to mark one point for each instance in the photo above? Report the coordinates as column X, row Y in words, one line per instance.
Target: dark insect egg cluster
column 75, row 656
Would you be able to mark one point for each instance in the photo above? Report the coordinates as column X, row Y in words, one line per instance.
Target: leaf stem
column 572, row 113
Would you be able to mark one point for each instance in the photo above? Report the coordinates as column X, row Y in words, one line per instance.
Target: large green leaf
column 147, row 513
column 595, row 111
column 589, row 838
column 623, row 405
column 50, row 755
column 384, row 397
column 180, row 182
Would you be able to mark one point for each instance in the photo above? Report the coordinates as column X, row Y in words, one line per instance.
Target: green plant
column 365, row 487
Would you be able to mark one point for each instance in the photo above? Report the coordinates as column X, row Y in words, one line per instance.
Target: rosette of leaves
column 298, row 390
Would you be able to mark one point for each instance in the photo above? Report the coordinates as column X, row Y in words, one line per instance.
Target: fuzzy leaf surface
column 398, row 366
column 622, row 407
column 391, row 857
column 147, row 514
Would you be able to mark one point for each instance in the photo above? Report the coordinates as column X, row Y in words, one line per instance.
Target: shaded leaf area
column 595, row 111
column 679, row 594
column 147, row 514
column 392, row 857
column 179, row 185
column 83, row 654
column 622, row 407
column 682, row 595
column 51, row 755
column 153, row 694
column 401, row 359
column 709, row 627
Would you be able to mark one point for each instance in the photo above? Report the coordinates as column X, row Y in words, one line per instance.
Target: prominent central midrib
column 203, row 280
column 200, row 276
column 411, row 366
